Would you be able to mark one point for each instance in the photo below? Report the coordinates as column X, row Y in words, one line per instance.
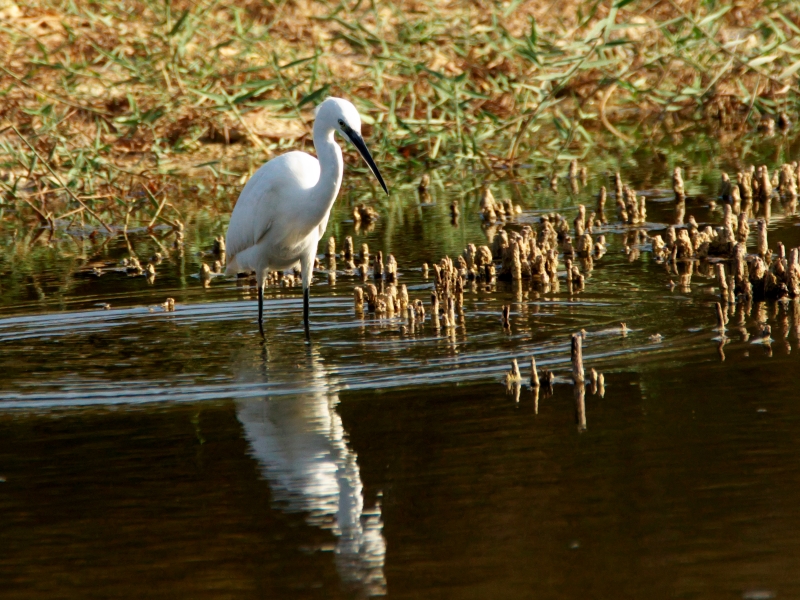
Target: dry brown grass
column 118, row 96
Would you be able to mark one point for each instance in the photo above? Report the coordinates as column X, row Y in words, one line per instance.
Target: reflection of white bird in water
column 299, row 443
column 283, row 210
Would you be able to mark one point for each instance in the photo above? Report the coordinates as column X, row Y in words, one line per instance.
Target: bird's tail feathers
column 233, row 267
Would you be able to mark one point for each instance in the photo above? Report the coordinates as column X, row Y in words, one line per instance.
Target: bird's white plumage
column 283, row 210
column 266, row 231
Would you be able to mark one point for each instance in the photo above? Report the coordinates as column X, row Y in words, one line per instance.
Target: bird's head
column 341, row 116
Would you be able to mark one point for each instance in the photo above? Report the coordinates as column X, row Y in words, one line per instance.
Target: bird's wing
column 323, row 226
column 272, row 196
column 252, row 216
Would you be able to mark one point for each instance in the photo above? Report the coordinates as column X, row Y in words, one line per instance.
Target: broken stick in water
column 513, row 376
column 534, row 374
column 577, row 358
column 721, row 318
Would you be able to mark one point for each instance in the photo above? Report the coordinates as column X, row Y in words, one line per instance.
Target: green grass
column 113, row 110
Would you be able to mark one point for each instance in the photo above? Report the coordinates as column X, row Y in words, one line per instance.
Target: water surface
column 176, row 453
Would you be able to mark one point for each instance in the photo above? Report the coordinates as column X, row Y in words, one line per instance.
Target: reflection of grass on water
column 37, row 268
column 120, row 101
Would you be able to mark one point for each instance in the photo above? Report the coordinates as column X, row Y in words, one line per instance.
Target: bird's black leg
column 306, row 293
column 261, row 310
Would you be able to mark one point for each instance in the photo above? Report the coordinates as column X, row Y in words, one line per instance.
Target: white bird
column 283, row 209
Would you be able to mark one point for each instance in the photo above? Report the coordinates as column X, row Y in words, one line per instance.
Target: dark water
column 171, row 454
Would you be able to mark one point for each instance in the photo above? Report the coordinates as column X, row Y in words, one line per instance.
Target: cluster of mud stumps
column 514, row 256
column 541, row 381
column 685, row 247
column 722, row 250
column 133, row 265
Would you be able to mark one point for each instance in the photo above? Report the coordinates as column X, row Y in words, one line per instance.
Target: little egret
column 283, row 209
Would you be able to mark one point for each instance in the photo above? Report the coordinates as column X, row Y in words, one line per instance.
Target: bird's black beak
column 358, row 142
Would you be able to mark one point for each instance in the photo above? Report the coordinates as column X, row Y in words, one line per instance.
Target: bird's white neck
column 331, row 167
